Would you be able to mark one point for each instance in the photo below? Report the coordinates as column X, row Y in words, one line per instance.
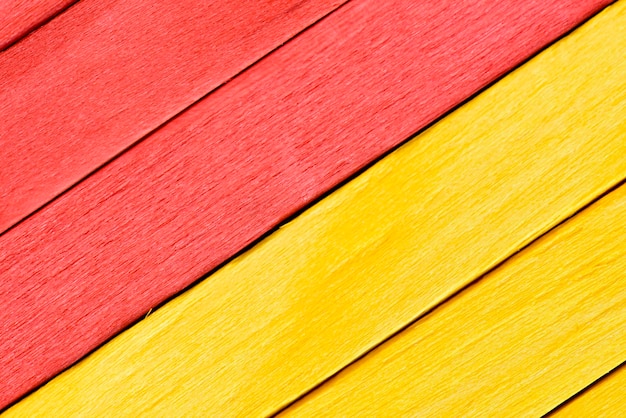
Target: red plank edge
column 99, row 77
column 19, row 17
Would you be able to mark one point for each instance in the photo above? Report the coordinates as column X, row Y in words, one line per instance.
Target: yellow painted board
column 543, row 326
column 605, row 399
column 376, row 254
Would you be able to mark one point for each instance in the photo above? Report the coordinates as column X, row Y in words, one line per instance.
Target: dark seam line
column 313, row 202
column 168, row 120
column 490, row 270
column 585, row 389
column 19, row 38
column 451, row 296
column 197, row 281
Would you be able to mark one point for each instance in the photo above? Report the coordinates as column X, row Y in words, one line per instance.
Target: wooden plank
column 377, row 253
column 19, row 17
column 606, row 398
column 541, row 327
column 241, row 161
column 104, row 74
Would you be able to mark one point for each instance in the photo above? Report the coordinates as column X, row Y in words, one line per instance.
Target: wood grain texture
column 19, row 17
column 606, row 398
column 374, row 255
column 531, row 334
column 252, row 153
column 107, row 72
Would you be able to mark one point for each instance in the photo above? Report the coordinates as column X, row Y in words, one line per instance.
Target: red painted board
column 106, row 72
column 233, row 166
column 18, row 17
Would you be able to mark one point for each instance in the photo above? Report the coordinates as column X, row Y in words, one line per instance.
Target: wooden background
column 312, row 208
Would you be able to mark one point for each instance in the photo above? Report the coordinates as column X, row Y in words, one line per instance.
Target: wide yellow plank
column 376, row 254
column 539, row 329
column 607, row 398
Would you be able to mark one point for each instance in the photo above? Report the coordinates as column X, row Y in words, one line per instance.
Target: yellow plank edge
column 606, row 399
column 376, row 254
column 537, row 330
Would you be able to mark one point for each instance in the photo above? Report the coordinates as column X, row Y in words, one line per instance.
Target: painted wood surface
column 226, row 171
column 534, row 332
column 99, row 77
column 383, row 250
column 606, row 398
column 20, row 17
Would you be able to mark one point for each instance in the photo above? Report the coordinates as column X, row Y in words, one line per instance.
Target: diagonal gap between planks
column 32, row 28
column 323, row 196
column 403, row 362
column 166, row 121
column 586, row 389
column 453, row 295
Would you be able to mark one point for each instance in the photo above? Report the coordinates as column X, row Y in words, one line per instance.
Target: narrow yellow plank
column 539, row 329
column 605, row 399
column 376, row 254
